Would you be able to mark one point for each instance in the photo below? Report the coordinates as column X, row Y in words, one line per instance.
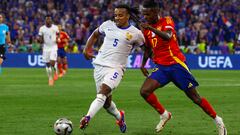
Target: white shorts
column 109, row 76
column 49, row 55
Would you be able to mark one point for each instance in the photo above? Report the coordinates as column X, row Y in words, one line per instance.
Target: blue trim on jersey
column 101, row 33
column 123, row 28
column 177, row 74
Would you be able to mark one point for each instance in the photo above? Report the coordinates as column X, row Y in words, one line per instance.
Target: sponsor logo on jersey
column 190, row 85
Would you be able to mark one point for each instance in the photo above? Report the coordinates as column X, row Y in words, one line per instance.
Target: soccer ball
column 63, row 126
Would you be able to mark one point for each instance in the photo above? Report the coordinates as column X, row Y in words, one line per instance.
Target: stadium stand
column 201, row 24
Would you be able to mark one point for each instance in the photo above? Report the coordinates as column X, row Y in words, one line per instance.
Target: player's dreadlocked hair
column 133, row 11
column 150, row 4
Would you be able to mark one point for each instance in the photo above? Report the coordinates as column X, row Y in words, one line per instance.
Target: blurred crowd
column 200, row 24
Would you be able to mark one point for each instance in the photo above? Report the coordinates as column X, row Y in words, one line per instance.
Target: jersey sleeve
column 40, row 33
column 102, row 27
column 168, row 24
column 65, row 36
column 140, row 39
column 7, row 28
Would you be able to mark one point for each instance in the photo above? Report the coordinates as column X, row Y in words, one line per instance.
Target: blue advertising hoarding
column 221, row 62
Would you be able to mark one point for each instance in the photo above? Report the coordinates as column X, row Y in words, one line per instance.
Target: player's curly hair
column 133, row 11
column 130, row 10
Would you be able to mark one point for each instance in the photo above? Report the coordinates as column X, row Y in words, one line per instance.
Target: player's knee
column 197, row 100
column 144, row 92
column 101, row 98
column 107, row 104
column 48, row 65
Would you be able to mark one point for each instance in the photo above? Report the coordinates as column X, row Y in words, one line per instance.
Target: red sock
column 65, row 67
column 153, row 101
column 60, row 68
column 206, row 106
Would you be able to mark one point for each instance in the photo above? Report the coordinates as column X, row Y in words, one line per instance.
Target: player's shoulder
column 64, row 33
column 43, row 27
column 168, row 20
column 54, row 26
column 108, row 23
column 4, row 25
column 134, row 29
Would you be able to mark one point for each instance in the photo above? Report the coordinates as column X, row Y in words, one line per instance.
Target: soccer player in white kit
column 110, row 63
column 48, row 35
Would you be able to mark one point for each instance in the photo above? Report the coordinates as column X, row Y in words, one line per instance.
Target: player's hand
column 88, row 53
column 144, row 71
column 58, row 40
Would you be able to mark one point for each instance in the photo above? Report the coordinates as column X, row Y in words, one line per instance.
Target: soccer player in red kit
column 162, row 45
column 62, row 58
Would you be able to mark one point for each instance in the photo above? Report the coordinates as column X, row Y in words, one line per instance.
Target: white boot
column 166, row 116
column 220, row 125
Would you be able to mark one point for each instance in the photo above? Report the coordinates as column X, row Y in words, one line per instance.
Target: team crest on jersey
column 128, row 36
column 159, row 28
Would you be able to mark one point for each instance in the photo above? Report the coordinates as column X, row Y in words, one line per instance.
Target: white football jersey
column 117, row 44
column 49, row 36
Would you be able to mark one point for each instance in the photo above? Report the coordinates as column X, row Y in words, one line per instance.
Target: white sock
column 96, row 105
column 218, row 120
column 114, row 111
column 49, row 73
column 56, row 68
column 164, row 114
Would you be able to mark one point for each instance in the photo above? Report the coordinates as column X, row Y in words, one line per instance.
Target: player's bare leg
column 95, row 106
column 147, row 92
column 206, row 106
column 111, row 108
column 60, row 67
column 49, row 73
column 1, row 61
column 65, row 65
column 53, row 65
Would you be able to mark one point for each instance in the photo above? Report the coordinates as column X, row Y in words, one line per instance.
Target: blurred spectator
column 202, row 46
column 214, row 21
column 72, row 48
column 22, row 48
column 224, row 48
column 35, row 46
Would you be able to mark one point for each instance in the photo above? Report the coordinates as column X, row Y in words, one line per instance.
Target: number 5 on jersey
column 115, row 43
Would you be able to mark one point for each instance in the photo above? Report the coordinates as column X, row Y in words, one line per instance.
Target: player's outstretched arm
column 87, row 51
column 40, row 39
column 163, row 34
column 8, row 39
column 146, row 54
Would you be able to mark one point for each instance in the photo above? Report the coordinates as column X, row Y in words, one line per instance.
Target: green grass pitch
column 28, row 106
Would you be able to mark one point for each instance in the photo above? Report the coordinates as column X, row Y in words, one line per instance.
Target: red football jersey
column 165, row 52
column 63, row 36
